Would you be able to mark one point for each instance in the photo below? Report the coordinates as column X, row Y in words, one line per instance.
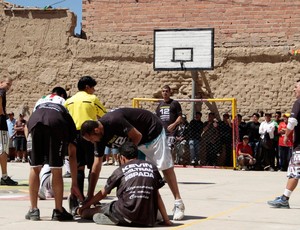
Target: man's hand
column 76, row 192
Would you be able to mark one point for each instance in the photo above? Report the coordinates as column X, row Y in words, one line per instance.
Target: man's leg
column 57, row 186
column 34, row 183
column 3, row 162
column 170, row 177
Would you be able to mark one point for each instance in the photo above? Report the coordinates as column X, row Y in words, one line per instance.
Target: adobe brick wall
column 237, row 23
column 39, row 51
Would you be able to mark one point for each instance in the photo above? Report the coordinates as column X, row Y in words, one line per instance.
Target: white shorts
column 158, row 152
column 294, row 165
column 4, row 142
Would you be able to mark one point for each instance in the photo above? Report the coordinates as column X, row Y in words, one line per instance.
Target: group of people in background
column 268, row 150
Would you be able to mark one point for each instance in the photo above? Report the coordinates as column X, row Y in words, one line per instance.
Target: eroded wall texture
column 253, row 40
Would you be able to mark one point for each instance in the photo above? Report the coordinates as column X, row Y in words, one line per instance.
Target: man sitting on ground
column 137, row 183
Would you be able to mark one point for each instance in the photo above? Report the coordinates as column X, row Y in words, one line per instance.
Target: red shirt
column 244, row 148
column 282, row 125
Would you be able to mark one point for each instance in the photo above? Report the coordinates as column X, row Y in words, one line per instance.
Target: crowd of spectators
column 258, row 141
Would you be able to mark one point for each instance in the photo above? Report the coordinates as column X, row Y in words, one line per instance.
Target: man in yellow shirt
column 82, row 106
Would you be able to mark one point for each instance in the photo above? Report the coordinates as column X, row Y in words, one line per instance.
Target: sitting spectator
column 285, row 150
column 181, row 145
column 245, row 154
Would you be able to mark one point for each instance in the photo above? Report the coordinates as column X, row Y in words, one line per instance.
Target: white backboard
column 183, row 49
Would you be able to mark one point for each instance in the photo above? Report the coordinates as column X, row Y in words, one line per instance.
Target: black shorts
column 116, row 217
column 85, row 152
column 47, row 147
column 20, row 143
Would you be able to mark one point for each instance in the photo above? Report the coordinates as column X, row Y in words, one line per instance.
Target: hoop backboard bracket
column 183, row 49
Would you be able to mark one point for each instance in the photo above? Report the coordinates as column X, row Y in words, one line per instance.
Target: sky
column 74, row 5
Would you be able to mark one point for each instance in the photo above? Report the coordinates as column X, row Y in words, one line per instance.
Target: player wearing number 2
column 145, row 130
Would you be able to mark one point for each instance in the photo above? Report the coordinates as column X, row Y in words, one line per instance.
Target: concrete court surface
column 214, row 199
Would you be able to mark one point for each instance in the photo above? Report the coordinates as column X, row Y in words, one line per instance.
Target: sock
column 287, row 193
column 4, row 176
column 179, row 201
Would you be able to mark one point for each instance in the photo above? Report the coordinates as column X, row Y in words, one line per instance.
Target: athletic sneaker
column 279, row 202
column 61, row 216
column 178, row 210
column 73, row 204
column 67, row 175
column 33, row 214
column 8, row 181
column 45, row 194
column 100, row 218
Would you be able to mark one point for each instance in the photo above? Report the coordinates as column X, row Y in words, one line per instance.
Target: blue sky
column 73, row 5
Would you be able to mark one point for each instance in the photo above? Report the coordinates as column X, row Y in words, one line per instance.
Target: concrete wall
column 39, row 51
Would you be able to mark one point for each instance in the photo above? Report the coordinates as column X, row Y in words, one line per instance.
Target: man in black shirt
column 137, row 183
column 145, row 130
column 294, row 165
column 5, row 85
column 170, row 113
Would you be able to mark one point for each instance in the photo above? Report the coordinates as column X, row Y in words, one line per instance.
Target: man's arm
column 172, row 126
column 73, row 168
column 94, row 176
column 162, row 209
column 99, row 196
column 1, row 108
column 135, row 136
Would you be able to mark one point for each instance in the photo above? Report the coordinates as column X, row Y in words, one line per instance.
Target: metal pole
column 194, row 86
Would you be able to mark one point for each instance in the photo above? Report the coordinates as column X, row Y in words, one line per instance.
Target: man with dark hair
column 195, row 130
column 169, row 111
column 252, row 130
column 84, row 105
column 5, row 85
column 145, row 130
column 53, row 132
column 138, row 183
column 294, row 165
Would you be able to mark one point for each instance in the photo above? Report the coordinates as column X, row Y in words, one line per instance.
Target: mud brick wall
column 253, row 41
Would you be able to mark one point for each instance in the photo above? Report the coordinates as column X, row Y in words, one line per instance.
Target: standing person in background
column 266, row 149
column 169, row 111
column 293, row 173
column 285, row 149
column 115, row 155
column 82, row 106
column 5, row 84
column 276, row 121
column 20, row 141
column 11, row 121
column 195, row 130
column 252, row 130
column 242, row 127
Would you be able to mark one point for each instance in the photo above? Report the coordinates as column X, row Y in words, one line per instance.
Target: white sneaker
column 105, row 163
column 178, row 210
column 42, row 194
